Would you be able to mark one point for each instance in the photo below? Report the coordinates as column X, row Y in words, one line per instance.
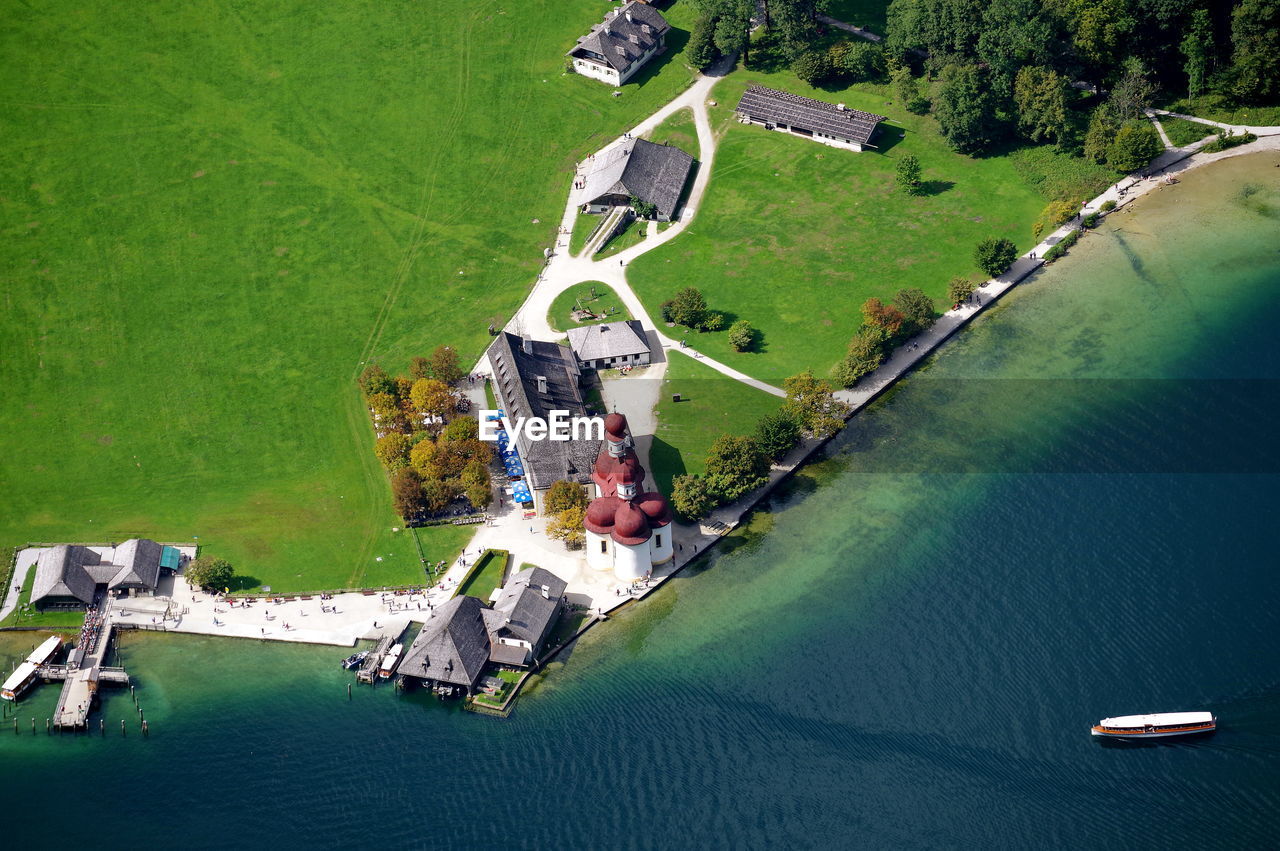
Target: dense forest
column 1074, row 73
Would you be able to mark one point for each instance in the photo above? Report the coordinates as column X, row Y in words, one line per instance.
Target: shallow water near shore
column 1067, row 514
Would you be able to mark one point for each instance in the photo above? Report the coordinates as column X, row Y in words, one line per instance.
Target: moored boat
column 355, row 659
column 390, row 661
column 29, row 671
column 1156, row 726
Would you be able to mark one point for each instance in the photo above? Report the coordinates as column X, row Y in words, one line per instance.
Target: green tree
column 406, row 493
column 916, row 307
column 462, row 428
column 419, row 367
column 701, row 50
column 908, row 175
column 908, row 89
column 966, row 110
column 1056, row 213
column 1041, row 96
column 432, row 397
column 994, row 256
column 1197, row 48
column 777, row 432
column 477, row 484
column 562, row 495
column 1255, row 40
column 860, row 60
column 863, row 357
column 812, row 67
column 712, row 321
column 741, row 335
column 374, row 380
column 938, row 27
column 959, row 290
column 733, row 25
column 1018, row 34
column 689, row 308
column 209, row 572
column 437, row 493
column 690, row 497
column 1134, row 147
column 393, row 450
column 735, row 467
column 1100, row 31
column 810, row 402
column 643, row 209
column 1103, row 126
column 444, row 365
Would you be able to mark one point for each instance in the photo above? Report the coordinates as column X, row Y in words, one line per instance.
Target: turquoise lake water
column 1070, row 513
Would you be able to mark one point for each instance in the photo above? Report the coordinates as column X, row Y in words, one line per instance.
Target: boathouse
column 619, row 46
column 831, row 124
column 532, row 378
column 610, row 345
column 635, row 168
column 453, row 647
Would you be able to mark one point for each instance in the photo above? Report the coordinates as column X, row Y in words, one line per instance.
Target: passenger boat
column 1159, row 725
column 355, row 659
column 390, row 661
column 29, row 671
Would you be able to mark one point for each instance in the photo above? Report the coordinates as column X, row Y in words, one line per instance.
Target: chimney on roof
column 628, row 16
column 840, row 107
column 542, row 384
column 526, row 343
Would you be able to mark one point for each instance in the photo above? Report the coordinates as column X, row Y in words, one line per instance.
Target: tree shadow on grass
column 676, row 40
column 243, row 583
column 665, row 463
column 936, row 187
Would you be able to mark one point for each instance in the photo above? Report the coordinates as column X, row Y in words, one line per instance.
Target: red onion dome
column 611, row 472
column 600, row 514
column 615, row 426
column 630, row 526
column 655, row 508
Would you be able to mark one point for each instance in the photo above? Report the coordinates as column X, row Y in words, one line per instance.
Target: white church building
column 628, row 530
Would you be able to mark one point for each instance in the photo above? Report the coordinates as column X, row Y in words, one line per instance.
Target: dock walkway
column 84, row 673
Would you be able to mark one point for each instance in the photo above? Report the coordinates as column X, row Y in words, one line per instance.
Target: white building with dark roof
column 610, row 345
column 653, row 173
column 523, row 616
column 619, row 46
column 831, row 124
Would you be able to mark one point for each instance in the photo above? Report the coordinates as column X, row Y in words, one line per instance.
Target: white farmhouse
column 610, row 345
column 831, row 124
column 620, row 46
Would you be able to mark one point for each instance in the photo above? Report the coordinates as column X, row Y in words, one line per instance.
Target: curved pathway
column 564, row 270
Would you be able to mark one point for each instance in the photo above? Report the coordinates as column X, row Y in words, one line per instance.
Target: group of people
column 91, row 629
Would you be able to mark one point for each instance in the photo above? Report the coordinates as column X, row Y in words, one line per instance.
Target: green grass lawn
column 216, row 214
column 632, row 234
column 583, row 226
column 1183, row 132
column 678, row 129
column 1218, row 108
column 21, row 616
column 711, row 405
column 793, row 236
column 486, row 574
column 605, row 301
column 869, row 14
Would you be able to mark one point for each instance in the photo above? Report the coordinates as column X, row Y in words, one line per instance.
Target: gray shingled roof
column 530, row 601
column 515, row 381
column 651, row 172
column 619, row 41
column 139, row 563
column 453, row 645
column 60, row 572
column 608, row 340
column 775, row 107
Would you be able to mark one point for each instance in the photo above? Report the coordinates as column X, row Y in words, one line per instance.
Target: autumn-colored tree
column 438, row 494
column 881, row 315
column 393, row 450
column 462, row 428
column 407, row 494
column 444, row 365
column 419, row 367
column 432, row 397
column 422, row 455
column 374, row 380
column 567, row 526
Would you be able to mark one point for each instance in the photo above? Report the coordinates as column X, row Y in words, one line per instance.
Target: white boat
column 1156, row 726
column 390, row 661
column 29, row 671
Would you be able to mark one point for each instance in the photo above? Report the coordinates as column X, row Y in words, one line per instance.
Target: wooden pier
column 82, row 674
column 368, row 672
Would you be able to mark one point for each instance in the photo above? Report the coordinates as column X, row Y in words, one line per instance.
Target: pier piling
column 122, row 731
column 46, row 726
column 145, row 730
column 348, row 691
column 102, row 726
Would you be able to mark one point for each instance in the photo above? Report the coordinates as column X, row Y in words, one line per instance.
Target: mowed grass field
column 214, row 215
column 711, row 405
column 793, row 236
